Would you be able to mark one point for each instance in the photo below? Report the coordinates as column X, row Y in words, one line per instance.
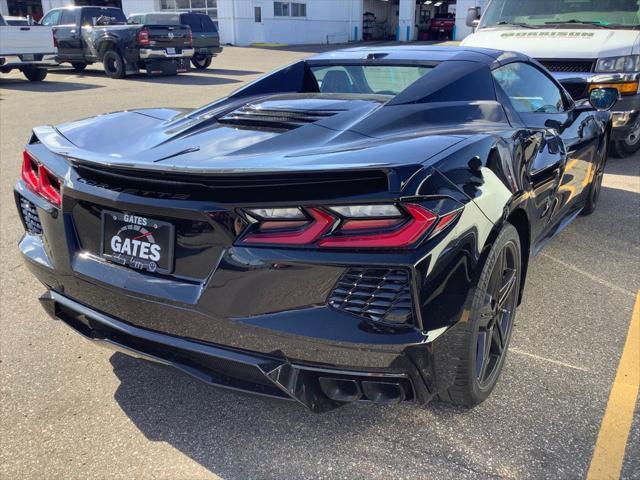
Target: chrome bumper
column 150, row 53
column 14, row 61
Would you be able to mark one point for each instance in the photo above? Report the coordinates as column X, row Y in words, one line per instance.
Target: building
column 244, row 22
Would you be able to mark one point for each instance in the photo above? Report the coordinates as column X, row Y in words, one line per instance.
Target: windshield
column 368, row 79
column 540, row 13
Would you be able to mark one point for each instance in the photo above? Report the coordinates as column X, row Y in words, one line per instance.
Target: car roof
column 419, row 53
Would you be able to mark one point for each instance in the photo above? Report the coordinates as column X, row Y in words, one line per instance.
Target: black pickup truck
column 86, row 35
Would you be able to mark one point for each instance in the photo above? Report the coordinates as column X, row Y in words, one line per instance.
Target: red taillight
column 143, row 38
column 29, row 172
column 40, row 180
column 190, row 37
column 55, row 40
column 405, row 236
column 308, row 233
column 355, row 226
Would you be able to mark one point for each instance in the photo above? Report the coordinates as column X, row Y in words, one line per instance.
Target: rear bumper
column 14, row 61
column 316, row 387
column 154, row 54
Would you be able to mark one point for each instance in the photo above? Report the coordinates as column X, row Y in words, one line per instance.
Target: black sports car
column 355, row 226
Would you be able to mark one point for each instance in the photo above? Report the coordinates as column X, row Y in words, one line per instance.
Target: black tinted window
column 528, row 89
column 208, row 25
column 193, row 21
column 110, row 16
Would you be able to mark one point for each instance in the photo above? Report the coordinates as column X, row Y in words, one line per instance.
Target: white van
column 584, row 43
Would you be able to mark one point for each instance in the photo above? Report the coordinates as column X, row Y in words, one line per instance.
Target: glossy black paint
column 449, row 142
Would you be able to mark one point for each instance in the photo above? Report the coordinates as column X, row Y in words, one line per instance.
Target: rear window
column 367, row 79
column 102, row 16
column 199, row 23
column 162, row 19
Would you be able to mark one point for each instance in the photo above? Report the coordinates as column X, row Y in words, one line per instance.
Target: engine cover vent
column 280, row 119
column 378, row 294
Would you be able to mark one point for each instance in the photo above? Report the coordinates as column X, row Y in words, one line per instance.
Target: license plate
column 442, row 29
column 137, row 242
column 28, row 57
column 171, row 51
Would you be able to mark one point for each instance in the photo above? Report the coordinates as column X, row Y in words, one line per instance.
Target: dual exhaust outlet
column 349, row 390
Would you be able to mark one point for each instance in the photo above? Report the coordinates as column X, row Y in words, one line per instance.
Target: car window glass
column 51, row 18
column 67, row 17
column 134, row 19
column 528, row 89
column 108, row 16
column 162, row 19
column 368, row 79
column 193, row 21
column 208, row 25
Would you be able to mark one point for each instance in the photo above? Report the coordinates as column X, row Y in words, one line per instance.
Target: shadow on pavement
column 46, row 86
column 194, row 77
column 237, row 435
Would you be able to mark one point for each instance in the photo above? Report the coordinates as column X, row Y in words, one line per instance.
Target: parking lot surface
column 72, row 410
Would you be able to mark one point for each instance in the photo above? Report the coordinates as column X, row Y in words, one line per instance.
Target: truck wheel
column 78, row 66
column 628, row 145
column 114, row 65
column 201, row 62
column 35, row 74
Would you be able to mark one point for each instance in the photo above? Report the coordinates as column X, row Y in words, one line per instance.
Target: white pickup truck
column 24, row 47
column 585, row 44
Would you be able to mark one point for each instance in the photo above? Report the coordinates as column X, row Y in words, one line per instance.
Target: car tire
column 628, row 145
column 35, row 74
column 484, row 338
column 79, row 66
column 201, row 62
column 114, row 65
column 595, row 186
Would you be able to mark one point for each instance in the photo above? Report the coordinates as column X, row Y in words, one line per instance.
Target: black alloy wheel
column 483, row 339
column 34, row 74
column 114, row 65
column 595, row 187
column 201, row 62
column 496, row 315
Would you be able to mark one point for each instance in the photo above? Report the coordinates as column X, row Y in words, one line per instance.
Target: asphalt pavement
column 69, row 409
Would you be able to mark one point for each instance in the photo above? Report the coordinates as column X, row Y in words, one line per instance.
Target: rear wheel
column 35, row 74
column 79, row 66
column 488, row 332
column 201, row 62
column 596, row 183
column 114, row 65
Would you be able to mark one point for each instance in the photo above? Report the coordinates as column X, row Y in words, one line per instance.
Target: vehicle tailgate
column 174, row 36
column 26, row 40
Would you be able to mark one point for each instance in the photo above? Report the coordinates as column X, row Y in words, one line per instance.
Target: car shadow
column 228, row 71
column 193, row 77
column 237, row 435
column 46, row 86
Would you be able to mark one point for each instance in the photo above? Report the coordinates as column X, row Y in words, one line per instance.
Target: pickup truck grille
column 570, row 66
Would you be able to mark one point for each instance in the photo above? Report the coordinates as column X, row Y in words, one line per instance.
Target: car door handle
column 25, row 29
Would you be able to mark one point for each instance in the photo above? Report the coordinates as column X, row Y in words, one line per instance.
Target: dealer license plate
column 138, row 242
column 171, row 51
column 28, row 57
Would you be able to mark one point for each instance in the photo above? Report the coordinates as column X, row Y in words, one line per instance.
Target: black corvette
column 355, row 226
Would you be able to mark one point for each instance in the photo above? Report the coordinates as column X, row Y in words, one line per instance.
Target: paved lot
column 71, row 410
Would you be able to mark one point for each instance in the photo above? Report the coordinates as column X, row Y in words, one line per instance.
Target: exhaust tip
column 340, row 389
column 383, row 393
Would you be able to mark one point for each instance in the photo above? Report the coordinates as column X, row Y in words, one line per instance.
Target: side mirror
column 30, row 20
column 603, row 98
column 473, row 17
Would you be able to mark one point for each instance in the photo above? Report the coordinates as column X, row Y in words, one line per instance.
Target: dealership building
column 244, row 22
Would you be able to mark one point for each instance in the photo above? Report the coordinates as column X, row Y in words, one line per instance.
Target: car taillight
column 352, row 226
column 143, row 38
column 190, row 37
column 40, row 180
column 55, row 40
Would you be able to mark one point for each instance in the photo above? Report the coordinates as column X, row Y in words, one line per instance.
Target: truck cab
column 585, row 44
column 86, row 35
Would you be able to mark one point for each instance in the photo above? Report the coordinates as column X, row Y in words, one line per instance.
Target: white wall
column 461, row 15
column 332, row 21
column 140, row 6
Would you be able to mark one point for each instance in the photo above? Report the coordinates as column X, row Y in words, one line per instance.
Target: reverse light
column 40, row 180
column 350, row 226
